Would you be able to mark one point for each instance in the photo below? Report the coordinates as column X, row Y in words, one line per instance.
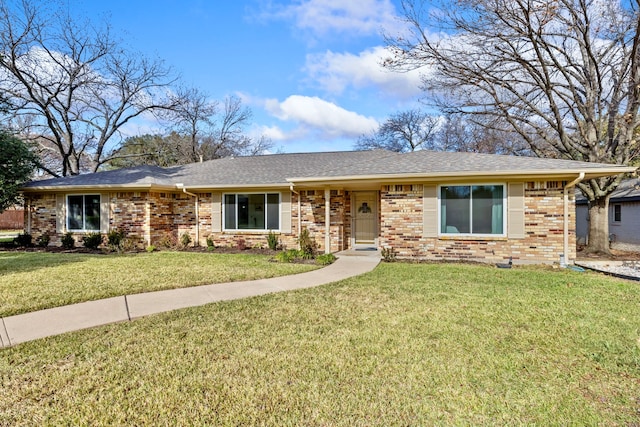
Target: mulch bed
column 82, row 250
column 615, row 255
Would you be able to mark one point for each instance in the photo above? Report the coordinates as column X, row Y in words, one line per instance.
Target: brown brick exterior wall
column 43, row 216
column 402, row 218
column 152, row 216
column 128, row 212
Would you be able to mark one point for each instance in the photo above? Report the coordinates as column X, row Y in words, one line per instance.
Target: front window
column 472, row 209
column 83, row 212
column 252, row 211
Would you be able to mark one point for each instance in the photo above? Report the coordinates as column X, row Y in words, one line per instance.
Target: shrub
column 210, row 244
column 68, row 242
column 43, row 240
column 130, row 244
column 388, row 254
column 150, row 248
column 115, row 239
column 92, row 240
column 168, row 241
column 325, row 259
column 287, row 256
column 272, row 240
column 185, row 239
column 23, row 240
column 307, row 244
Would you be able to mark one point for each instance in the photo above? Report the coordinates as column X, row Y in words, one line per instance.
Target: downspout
column 565, row 258
column 29, row 215
column 184, row 190
column 299, row 208
column 327, row 216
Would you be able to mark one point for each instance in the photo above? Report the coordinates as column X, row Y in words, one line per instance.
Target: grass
column 33, row 281
column 402, row 345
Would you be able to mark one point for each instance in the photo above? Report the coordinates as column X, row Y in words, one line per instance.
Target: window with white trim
column 83, row 212
column 617, row 212
column 253, row 211
column 472, row 209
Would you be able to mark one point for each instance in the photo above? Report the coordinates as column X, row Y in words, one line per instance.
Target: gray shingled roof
column 278, row 169
column 627, row 191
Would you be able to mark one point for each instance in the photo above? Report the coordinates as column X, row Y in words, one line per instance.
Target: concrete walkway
column 54, row 321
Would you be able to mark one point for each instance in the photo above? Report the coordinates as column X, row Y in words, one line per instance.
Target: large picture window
column 472, row 209
column 83, row 212
column 252, row 211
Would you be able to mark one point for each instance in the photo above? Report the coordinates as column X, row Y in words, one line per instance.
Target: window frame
column 505, row 210
column 84, row 228
column 266, row 212
column 613, row 213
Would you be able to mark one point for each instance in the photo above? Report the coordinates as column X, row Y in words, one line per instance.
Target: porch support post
column 327, row 221
column 147, row 220
column 565, row 227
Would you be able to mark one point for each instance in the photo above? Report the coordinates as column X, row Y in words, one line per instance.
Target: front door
column 365, row 213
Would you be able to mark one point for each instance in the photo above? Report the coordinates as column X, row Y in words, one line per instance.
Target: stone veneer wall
column 402, row 219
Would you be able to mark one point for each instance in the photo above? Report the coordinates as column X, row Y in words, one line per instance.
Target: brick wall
column 128, row 212
column 152, row 216
column 402, row 219
column 43, row 216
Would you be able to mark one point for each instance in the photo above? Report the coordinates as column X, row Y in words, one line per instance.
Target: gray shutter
column 285, row 212
column 430, row 211
column 216, row 212
column 104, row 212
column 515, row 210
column 61, row 211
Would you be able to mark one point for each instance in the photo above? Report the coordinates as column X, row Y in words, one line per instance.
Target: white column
column 327, row 221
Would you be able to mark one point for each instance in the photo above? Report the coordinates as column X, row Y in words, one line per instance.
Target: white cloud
column 274, row 133
column 320, row 117
column 335, row 72
column 322, row 17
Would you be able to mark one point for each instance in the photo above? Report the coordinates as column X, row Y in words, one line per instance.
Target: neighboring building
column 624, row 216
column 431, row 205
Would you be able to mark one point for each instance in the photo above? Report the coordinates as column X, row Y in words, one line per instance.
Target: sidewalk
column 54, row 321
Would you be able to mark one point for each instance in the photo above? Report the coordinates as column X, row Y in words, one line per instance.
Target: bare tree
column 73, row 85
column 193, row 117
column 198, row 132
column 213, row 132
column 458, row 133
column 564, row 74
column 409, row 130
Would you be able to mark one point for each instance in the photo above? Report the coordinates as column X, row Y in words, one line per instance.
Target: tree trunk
column 599, row 226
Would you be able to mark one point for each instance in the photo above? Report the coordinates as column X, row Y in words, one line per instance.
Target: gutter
column 299, row 208
column 572, row 184
column 197, row 203
column 594, row 172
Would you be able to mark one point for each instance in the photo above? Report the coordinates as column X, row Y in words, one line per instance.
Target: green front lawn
column 33, row 281
column 406, row 344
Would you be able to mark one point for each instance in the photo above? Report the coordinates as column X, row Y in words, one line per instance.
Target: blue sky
column 308, row 69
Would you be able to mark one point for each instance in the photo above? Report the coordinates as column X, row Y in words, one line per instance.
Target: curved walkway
column 54, row 321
